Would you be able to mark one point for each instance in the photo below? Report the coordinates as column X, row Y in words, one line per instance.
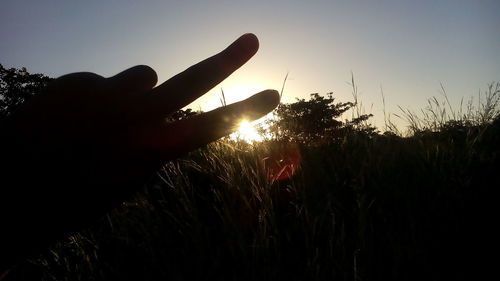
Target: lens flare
column 282, row 162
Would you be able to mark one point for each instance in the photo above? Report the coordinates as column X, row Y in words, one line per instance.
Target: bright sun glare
column 247, row 132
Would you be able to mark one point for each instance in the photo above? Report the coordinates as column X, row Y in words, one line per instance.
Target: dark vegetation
column 321, row 199
column 17, row 86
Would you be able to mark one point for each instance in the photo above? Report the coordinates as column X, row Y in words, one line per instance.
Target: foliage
column 312, row 120
column 17, row 86
column 181, row 114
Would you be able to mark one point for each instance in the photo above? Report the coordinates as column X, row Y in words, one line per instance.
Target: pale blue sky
column 407, row 47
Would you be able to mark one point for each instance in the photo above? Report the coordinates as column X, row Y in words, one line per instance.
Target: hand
column 88, row 142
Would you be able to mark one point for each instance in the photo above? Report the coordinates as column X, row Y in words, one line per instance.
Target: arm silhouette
column 87, row 143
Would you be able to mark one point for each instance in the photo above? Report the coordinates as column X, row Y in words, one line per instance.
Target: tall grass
column 440, row 113
column 364, row 207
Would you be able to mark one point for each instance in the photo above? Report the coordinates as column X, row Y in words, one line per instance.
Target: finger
column 69, row 82
column 139, row 78
column 174, row 139
column 79, row 79
column 187, row 86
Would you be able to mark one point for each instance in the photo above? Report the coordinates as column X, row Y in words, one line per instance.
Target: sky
column 405, row 49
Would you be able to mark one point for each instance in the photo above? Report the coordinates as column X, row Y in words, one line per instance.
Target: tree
column 182, row 114
column 312, row 120
column 17, row 86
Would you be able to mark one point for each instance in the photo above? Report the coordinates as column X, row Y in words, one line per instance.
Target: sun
column 247, row 132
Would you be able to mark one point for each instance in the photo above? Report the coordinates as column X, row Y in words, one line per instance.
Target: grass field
column 360, row 207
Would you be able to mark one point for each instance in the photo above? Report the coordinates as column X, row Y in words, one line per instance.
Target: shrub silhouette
column 17, row 86
column 313, row 120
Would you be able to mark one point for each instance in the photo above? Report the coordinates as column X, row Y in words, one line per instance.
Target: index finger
column 192, row 83
column 169, row 140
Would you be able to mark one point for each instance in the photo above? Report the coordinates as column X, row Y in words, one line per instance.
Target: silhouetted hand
column 87, row 143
